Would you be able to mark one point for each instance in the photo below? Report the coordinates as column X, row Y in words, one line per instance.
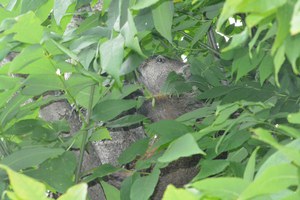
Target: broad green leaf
column 141, row 4
column 272, row 180
column 143, row 187
column 279, row 59
column 44, row 11
column 113, row 14
column 292, row 52
column 250, row 168
column 196, row 114
column 182, row 147
column 138, row 148
column 8, row 82
column 122, row 92
column 294, row 118
column 232, row 7
column 225, row 188
column 129, row 32
column 100, row 134
column 289, row 131
column 223, row 112
column 23, row 127
column 60, row 8
column 78, row 82
column 109, row 109
column 295, row 28
column 83, row 96
column 173, row 193
column 133, row 61
column 24, row 26
column 266, row 68
column 127, row 120
column 24, row 187
column 105, row 5
column 265, row 136
column 163, row 10
column 167, row 130
column 30, row 157
column 77, row 192
column 32, row 60
column 278, row 157
column 31, row 5
column 38, row 84
column 237, row 40
column 284, row 15
column 101, row 171
column 12, row 108
column 111, row 192
column 61, row 169
column 216, row 92
column 111, row 53
column 211, row 167
column 248, row 64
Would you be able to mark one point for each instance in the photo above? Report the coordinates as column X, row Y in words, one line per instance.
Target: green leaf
column 32, row 60
column 111, row 193
column 133, row 61
column 60, row 8
column 223, row 112
column 143, row 187
column 294, row 118
column 272, row 180
column 24, row 187
column 30, row 157
column 111, row 53
column 289, row 131
column 292, row 52
column 295, row 28
column 266, row 68
column 101, row 171
column 232, row 7
column 100, row 134
column 163, row 10
column 23, row 127
column 283, row 20
column 237, row 40
column 173, row 193
column 83, row 95
column 196, row 114
column 129, row 32
column 278, row 157
column 279, row 59
column 109, row 109
column 31, row 5
column 250, row 168
column 211, row 167
column 24, row 26
column 127, row 120
column 167, row 130
column 61, row 169
column 77, row 192
column 141, row 4
column 138, row 148
column 224, row 188
column 38, row 84
column 182, row 147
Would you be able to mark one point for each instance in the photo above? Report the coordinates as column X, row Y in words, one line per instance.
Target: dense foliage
column 247, row 131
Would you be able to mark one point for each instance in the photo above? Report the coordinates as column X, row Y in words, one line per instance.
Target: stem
column 85, row 134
